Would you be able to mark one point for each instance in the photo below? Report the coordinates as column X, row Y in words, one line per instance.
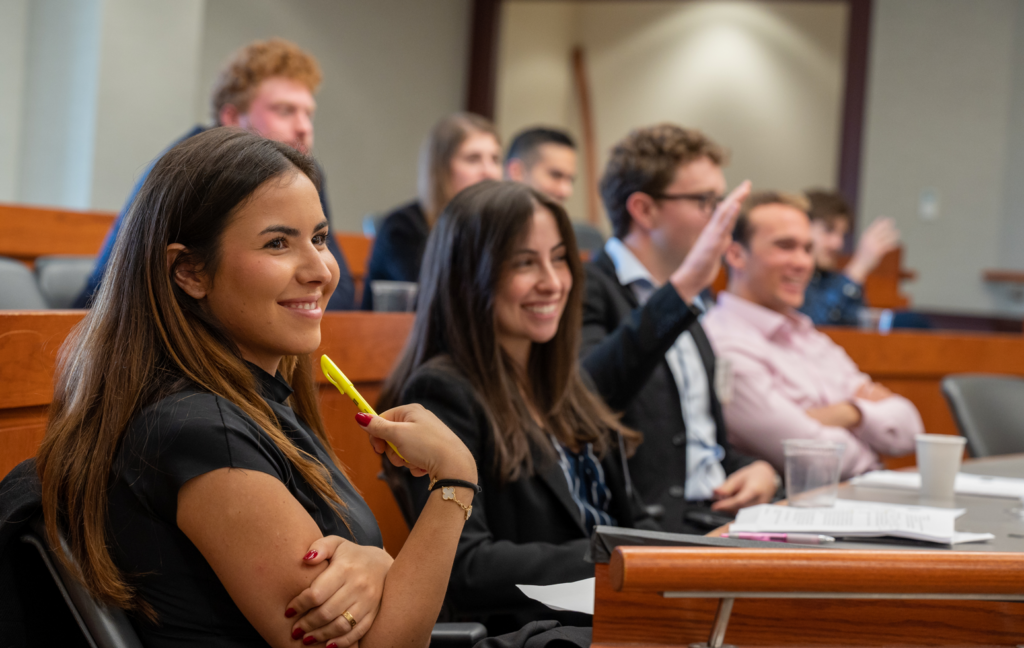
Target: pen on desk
column 796, row 538
column 345, row 386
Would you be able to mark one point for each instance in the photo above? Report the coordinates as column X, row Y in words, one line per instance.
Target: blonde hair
column 440, row 147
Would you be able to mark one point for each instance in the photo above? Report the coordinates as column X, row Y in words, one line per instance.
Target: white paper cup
column 812, row 471
column 392, row 296
column 938, row 461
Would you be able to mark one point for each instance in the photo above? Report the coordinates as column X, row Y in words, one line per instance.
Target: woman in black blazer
column 461, row 150
column 493, row 355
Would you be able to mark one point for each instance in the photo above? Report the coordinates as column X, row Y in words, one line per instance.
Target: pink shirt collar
column 772, row 324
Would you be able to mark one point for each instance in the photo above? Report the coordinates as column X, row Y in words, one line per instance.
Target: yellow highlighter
column 344, row 385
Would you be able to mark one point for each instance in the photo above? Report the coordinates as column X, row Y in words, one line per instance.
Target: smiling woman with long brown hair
column 185, row 459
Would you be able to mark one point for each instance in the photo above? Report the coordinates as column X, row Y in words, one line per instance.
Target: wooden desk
column 364, row 345
column 30, row 232
column 913, row 364
column 631, row 606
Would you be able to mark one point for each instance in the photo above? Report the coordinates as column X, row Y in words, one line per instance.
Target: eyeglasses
column 707, row 202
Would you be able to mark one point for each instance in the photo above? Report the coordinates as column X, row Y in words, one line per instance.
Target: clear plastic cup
column 812, row 471
column 938, row 461
column 394, row 296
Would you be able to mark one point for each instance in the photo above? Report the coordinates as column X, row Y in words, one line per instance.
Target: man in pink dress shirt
column 790, row 381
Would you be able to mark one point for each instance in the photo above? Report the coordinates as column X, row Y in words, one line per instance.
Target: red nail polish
column 310, row 556
column 297, row 633
column 332, row 645
column 362, row 418
column 308, row 640
column 289, row 613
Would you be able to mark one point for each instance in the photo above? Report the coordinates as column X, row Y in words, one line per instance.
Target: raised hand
column 701, row 265
column 879, row 239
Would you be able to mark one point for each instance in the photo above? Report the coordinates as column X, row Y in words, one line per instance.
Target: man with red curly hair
column 266, row 88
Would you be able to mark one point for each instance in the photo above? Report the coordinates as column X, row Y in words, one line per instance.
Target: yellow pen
column 345, row 386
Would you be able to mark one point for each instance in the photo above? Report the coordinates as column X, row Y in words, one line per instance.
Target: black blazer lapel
column 551, row 474
column 604, row 263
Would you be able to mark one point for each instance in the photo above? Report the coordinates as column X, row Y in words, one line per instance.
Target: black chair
column 102, row 626
column 989, row 410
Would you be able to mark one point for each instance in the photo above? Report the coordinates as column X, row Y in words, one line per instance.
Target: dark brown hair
column 827, row 206
column 468, row 253
column 646, row 161
column 743, row 230
column 145, row 338
column 255, row 63
column 440, row 147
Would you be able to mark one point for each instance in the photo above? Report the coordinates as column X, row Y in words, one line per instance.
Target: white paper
column 567, row 597
column 966, row 484
column 858, row 519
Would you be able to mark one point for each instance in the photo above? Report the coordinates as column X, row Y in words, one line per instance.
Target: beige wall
column 944, row 115
column 763, row 79
column 85, row 105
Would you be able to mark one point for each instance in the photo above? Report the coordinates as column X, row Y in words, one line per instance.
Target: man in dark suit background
column 660, row 188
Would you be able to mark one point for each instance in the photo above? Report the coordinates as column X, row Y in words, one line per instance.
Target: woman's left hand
column 353, row 582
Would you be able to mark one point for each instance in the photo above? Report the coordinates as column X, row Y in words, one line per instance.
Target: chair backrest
column 588, row 237
column 62, row 277
column 18, row 289
column 989, row 410
column 102, row 626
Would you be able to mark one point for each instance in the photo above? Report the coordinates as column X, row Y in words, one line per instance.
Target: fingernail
column 289, row 613
column 332, row 645
column 362, row 418
column 297, row 633
column 311, row 555
column 308, row 640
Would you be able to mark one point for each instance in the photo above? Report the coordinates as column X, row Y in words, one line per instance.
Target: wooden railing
column 30, row 232
column 364, row 345
column 661, row 596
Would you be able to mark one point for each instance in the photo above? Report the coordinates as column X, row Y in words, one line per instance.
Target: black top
column 644, row 389
column 343, row 297
column 398, row 248
column 528, row 532
column 183, row 436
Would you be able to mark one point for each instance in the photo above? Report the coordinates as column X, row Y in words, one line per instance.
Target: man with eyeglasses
column 662, row 186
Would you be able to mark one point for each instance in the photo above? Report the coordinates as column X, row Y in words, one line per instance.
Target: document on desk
column 568, row 597
column 852, row 519
column 966, row 484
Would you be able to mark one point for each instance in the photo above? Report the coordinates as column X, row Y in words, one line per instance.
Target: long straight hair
column 436, row 155
column 467, row 254
column 145, row 338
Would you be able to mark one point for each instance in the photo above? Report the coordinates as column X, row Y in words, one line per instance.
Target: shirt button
column 676, row 491
column 679, row 440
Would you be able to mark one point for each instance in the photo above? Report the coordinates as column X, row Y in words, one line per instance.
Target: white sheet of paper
column 858, row 519
column 966, row 484
column 568, row 597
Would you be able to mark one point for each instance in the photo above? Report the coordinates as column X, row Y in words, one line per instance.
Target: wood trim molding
column 481, row 85
column 638, row 569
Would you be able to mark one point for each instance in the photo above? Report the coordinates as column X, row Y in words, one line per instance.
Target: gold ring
column 348, row 617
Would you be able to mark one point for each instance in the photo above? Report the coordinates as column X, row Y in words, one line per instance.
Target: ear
column 736, row 256
column 643, row 210
column 186, row 276
column 515, row 170
column 229, row 115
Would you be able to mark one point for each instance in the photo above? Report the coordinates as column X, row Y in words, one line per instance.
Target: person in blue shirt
column 834, row 296
column 267, row 88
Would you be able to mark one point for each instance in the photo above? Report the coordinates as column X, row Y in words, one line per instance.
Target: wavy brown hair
column 255, row 63
column 468, row 252
column 145, row 339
